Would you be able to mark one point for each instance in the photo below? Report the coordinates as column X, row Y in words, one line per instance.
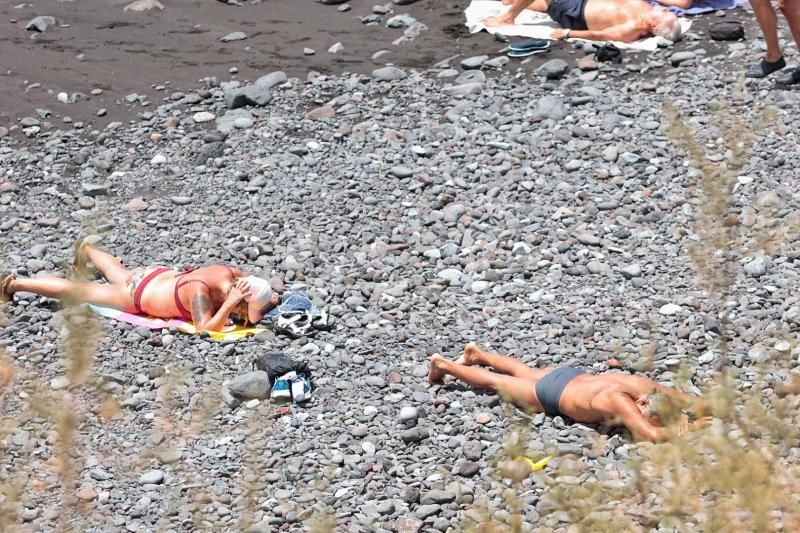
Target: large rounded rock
column 253, row 385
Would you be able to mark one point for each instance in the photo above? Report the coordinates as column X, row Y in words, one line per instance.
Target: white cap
column 258, row 293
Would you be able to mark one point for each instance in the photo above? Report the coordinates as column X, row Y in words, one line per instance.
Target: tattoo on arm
column 201, row 307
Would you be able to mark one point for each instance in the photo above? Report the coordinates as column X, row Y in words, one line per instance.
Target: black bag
column 276, row 364
column 608, row 52
column 729, row 30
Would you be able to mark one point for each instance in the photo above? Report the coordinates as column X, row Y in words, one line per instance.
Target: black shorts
column 549, row 388
column 568, row 13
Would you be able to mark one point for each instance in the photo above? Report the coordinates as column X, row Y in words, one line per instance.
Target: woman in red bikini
column 207, row 296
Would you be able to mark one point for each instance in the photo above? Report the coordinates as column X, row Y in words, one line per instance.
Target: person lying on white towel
column 598, row 20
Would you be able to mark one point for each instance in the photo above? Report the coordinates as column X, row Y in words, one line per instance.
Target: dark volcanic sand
column 127, row 52
column 124, row 52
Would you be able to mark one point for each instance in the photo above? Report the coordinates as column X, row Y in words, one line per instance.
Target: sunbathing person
column 207, row 296
column 599, row 20
column 642, row 405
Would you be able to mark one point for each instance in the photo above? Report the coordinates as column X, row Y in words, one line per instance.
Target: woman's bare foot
column 436, row 374
column 80, row 263
column 5, row 287
column 470, row 355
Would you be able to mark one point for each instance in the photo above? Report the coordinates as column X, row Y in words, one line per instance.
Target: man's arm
column 509, row 16
column 624, row 410
column 202, row 307
column 626, row 33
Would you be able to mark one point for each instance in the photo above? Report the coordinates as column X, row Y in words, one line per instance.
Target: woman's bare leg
column 108, row 265
column 474, row 355
column 518, row 390
column 72, row 292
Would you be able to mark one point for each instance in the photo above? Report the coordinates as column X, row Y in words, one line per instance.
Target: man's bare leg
column 73, row 292
column 108, row 265
column 515, row 8
column 474, row 355
column 518, row 390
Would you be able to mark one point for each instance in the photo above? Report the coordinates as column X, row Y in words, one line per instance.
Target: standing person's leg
column 791, row 10
column 768, row 21
column 108, row 265
column 518, row 390
column 474, row 355
column 72, row 292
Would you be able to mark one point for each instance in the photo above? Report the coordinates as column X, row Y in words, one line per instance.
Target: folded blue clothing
column 291, row 302
column 702, row 6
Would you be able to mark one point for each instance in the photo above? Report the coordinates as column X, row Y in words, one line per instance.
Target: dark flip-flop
column 529, row 44
column 764, row 68
column 792, row 77
column 528, row 52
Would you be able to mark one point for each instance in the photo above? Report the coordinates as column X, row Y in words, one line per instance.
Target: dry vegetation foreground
column 569, row 222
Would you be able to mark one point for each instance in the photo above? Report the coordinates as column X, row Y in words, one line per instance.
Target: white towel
column 540, row 25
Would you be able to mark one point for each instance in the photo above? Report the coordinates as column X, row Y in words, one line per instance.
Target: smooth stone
column 203, row 116
column 670, row 309
column 400, row 21
column 272, row 79
column 631, row 271
column 234, row 36
column 321, row 113
column 587, row 63
column 389, row 74
column 401, row 172
column 681, row 57
column 41, row 24
column 474, row 62
column 553, row 69
column 253, row 94
column 463, row 89
column 253, row 385
column 470, row 76
column 549, row 107
column 409, row 414
column 758, row 266
column 169, row 456
column 153, row 477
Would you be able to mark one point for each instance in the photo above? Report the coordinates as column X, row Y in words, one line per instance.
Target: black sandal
column 764, row 68
column 791, row 78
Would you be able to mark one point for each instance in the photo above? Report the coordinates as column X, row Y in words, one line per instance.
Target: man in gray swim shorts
column 651, row 411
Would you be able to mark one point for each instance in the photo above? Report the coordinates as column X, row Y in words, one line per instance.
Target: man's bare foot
column 470, row 355
column 502, row 20
column 435, row 374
